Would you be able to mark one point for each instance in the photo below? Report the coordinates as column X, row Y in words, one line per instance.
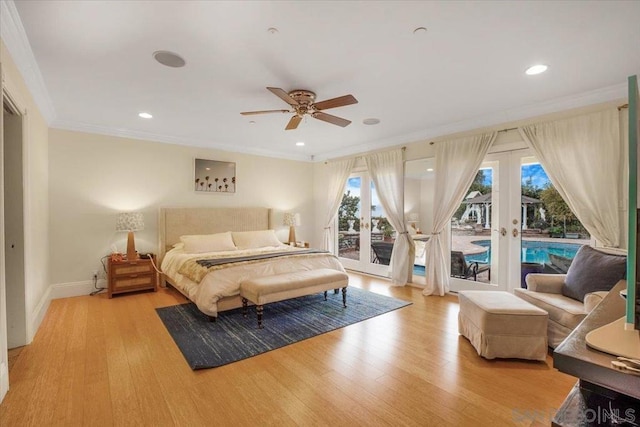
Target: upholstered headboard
column 176, row 222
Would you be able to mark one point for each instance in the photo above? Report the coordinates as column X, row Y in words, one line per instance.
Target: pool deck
column 466, row 245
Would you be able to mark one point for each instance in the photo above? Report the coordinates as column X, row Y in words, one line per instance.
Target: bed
column 245, row 248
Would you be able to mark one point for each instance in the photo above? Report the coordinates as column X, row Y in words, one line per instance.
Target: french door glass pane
column 382, row 233
column 348, row 220
column 471, row 231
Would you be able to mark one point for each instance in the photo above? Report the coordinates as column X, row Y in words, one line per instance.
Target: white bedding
column 225, row 282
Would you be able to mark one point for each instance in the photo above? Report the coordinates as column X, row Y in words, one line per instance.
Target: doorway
column 364, row 235
column 512, row 222
column 14, row 242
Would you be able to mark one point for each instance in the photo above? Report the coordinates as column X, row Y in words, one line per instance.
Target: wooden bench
column 264, row 290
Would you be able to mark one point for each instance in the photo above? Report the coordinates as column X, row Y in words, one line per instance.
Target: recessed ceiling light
column 420, row 30
column 272, row 30
column 145, row 115
column 429, row 169
column 300, row 144
column 252, row 122
column 536, row 69
column 169, row 59
column 371, row 121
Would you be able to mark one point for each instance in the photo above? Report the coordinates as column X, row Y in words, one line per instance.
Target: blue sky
column 535, row 171
column 538, row 176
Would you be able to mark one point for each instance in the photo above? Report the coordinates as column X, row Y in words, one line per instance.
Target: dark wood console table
column 602, row 396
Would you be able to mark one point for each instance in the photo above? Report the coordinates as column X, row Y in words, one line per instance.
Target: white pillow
column 255, row 239
column 199, row 243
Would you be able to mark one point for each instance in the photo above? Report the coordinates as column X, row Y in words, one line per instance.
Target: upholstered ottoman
column 499, row 324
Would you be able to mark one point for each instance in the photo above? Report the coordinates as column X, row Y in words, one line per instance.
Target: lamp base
column 131, row 247
column 292, row 234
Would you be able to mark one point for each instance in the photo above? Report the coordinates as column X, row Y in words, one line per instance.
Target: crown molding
column 168, row 139
column 502, row 119
column 15, row 38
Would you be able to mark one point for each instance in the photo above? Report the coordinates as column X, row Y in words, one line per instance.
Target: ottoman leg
column 325, row 295
column 344, row 297
column 244, row 307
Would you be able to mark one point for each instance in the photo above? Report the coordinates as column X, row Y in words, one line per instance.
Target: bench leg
column 259, row 310
column 212, row 318
column 244, row 307
column 344, row 297
column 325, row 295
column 336, row 291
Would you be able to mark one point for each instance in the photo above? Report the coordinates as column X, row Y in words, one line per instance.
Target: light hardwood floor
column 96, row 361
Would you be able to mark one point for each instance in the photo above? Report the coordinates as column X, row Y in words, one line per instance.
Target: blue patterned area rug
column 233, row 337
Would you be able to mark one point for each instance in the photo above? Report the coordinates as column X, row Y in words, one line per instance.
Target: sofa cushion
column 565, row 311
column 591, row 271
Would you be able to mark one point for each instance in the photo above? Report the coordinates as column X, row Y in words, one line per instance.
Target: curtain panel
column 584, row 158
column 337, row 175
column 387, row 171
column 457, row 163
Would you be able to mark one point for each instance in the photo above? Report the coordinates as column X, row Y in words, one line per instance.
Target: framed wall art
column 212, row 176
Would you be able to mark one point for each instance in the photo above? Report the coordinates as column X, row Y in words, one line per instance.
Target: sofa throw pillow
column 591, row 271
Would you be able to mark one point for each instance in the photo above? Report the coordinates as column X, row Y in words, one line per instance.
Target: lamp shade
column 130, row 221
column 291, row 219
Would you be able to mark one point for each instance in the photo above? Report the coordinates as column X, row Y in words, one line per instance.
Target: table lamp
column 130, row 222
column 413, row 221
column 292, row 220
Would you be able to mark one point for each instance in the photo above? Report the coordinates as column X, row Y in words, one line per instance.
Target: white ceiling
column 465, row 72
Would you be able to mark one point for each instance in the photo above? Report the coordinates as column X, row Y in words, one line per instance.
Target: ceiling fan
column 302, row 102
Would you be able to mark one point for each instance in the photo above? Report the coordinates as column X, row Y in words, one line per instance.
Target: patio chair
column 382, row 252
column 463, row 270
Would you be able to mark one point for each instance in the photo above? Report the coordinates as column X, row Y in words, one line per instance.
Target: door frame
column 363, row 264
column 506, row 195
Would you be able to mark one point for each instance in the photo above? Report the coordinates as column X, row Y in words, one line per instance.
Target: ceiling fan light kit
column 302, row 102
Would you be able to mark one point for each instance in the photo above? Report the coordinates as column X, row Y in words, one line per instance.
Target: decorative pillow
column 591, row 271
column 199, row 243
column 255, row 239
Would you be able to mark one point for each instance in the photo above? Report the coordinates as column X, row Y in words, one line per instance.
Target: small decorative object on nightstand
column 132, row 275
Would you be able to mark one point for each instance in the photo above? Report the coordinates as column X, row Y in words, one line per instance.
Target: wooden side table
column 130, row 276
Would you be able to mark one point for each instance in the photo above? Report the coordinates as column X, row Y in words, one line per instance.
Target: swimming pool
column 532, row 251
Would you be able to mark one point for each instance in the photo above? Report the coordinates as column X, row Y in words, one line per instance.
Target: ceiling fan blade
column 335, row 102
column 249, row 113
column 294, row 122
column 283, row 95
column 331, row 119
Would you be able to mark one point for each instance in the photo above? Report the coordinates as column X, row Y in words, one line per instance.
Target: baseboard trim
column 4, row 380
column 59, row 290
column 74, row 289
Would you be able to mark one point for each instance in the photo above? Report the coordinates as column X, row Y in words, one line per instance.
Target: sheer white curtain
column 457, row 163
column 387, row 171
column 337, row 175
column 584, row 158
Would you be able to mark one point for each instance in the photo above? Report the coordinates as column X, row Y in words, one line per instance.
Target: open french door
column 362, row 227
column 488, row 231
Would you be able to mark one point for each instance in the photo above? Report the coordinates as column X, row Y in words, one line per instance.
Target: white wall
column 93, row 177
column 36, row 205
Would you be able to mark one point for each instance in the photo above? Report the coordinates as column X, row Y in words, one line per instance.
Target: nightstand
column 130, row 276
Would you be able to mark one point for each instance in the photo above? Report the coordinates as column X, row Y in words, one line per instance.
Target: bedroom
column 77, row 181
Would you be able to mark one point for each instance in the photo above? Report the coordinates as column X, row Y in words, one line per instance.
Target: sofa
column 568, row 298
